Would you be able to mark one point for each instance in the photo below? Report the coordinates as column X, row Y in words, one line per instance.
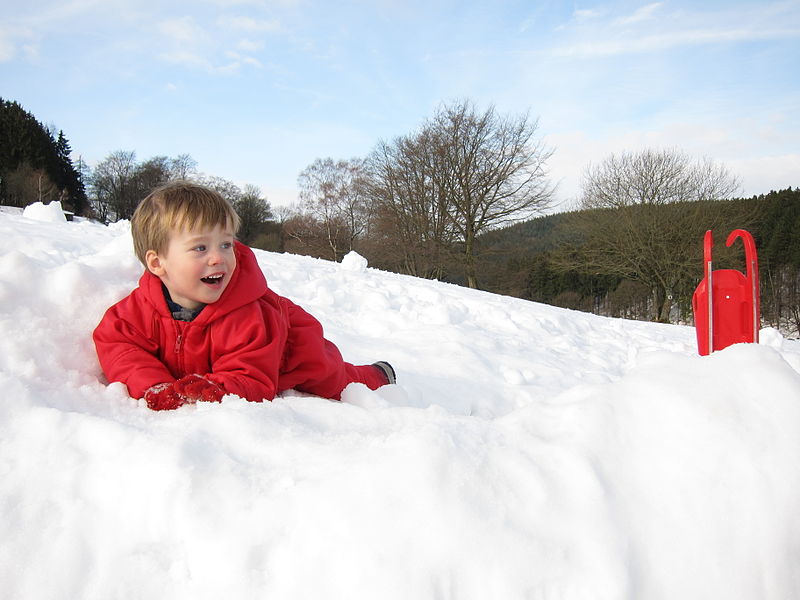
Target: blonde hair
column 175, row 206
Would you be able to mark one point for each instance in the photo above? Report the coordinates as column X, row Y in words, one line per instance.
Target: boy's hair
column 175, row 206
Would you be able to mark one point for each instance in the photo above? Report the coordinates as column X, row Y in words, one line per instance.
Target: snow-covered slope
column 527, row 451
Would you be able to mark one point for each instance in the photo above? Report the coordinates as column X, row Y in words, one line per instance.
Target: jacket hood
column 246, row 285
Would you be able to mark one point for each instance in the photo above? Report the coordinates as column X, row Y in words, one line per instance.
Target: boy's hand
column 163, row 397
column 186, row 390
column 198, row 389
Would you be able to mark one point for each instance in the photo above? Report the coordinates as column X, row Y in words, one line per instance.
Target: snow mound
column 354, row 262
column 526, row 452
column 51, row 213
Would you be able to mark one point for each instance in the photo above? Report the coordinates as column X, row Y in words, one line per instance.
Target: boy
column 203, row 322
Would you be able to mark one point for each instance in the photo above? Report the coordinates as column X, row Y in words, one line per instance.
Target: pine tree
column 32, row 159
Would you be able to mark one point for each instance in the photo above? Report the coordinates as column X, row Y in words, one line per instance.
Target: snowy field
column 527, row 452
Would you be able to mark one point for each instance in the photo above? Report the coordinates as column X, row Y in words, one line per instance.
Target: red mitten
column 163, row 397
column 198, row 389
column 187, row 390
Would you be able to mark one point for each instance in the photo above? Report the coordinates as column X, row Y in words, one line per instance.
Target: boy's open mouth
column 215, row 279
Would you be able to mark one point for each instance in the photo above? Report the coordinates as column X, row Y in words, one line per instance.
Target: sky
column 257, row 90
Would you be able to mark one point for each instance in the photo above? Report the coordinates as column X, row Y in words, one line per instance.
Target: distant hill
column 516, row 261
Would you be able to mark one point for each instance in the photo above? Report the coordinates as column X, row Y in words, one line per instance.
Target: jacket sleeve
column 128, row 355
column 247, row 350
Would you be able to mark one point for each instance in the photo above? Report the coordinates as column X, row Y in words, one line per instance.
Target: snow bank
column 51, row 213
column 527, row 452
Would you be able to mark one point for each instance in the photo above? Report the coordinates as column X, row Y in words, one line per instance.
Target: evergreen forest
column 533, row 260
column 35, row 163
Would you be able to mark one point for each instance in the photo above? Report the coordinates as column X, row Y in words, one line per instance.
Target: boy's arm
column 247, row 353
column 128, row 356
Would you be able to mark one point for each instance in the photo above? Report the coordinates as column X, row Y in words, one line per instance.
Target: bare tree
column 463, row 173
column 114, row 194
column 493, row 171
column 302, row 233
column 229, row 190
column 332, row 193
column 119, row 182
column 644, row 214
column 182, row 167
column 414, row 220
column 25, row 185
column 150, row 174
column 281, row 215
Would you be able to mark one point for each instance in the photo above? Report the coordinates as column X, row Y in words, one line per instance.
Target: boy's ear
column 153, row 262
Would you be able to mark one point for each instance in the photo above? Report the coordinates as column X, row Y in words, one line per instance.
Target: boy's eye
column 227, row 245
column 200, row 248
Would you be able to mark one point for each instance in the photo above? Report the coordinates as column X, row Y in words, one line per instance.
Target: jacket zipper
column 179, row 344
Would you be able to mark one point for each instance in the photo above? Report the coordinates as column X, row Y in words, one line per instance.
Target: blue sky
column 256, row 90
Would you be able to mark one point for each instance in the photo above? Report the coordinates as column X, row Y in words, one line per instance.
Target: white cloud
column 7, row 47
column 15, row 37
column 256, row 3
column 226, row 69
column 662, row 41
column 586, row 14
column 644, row 13
column 253, row 62
column 250, row 46
column 182, row 30
column 242, row 58
column 654, row 28
column 31, row 51
column 527, row 24
column 248, row 24
column 183, row 57
column 193, row 46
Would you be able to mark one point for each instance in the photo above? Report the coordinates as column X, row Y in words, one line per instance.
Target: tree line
column 537, row 260
column 36, row 166
column 460, row 199
column 119, row 182
column 632, row 247
column 418, row 204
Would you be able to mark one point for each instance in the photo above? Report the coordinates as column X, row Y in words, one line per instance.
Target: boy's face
column 197, row 265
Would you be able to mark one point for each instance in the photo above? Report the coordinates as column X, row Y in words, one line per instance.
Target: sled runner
column 726, row 303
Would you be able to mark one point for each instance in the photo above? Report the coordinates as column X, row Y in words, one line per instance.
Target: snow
column 526, row 452
column 353, row 261
column 51, row 213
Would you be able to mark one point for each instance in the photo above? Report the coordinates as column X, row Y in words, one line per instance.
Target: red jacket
column 252, row 342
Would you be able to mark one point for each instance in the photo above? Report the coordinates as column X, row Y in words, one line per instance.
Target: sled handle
column 751, row 258
column 708, row 244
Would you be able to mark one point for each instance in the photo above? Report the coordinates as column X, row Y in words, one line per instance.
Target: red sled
column 726, row 303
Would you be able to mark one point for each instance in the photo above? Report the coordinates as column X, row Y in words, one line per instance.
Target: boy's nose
column 214, row 258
